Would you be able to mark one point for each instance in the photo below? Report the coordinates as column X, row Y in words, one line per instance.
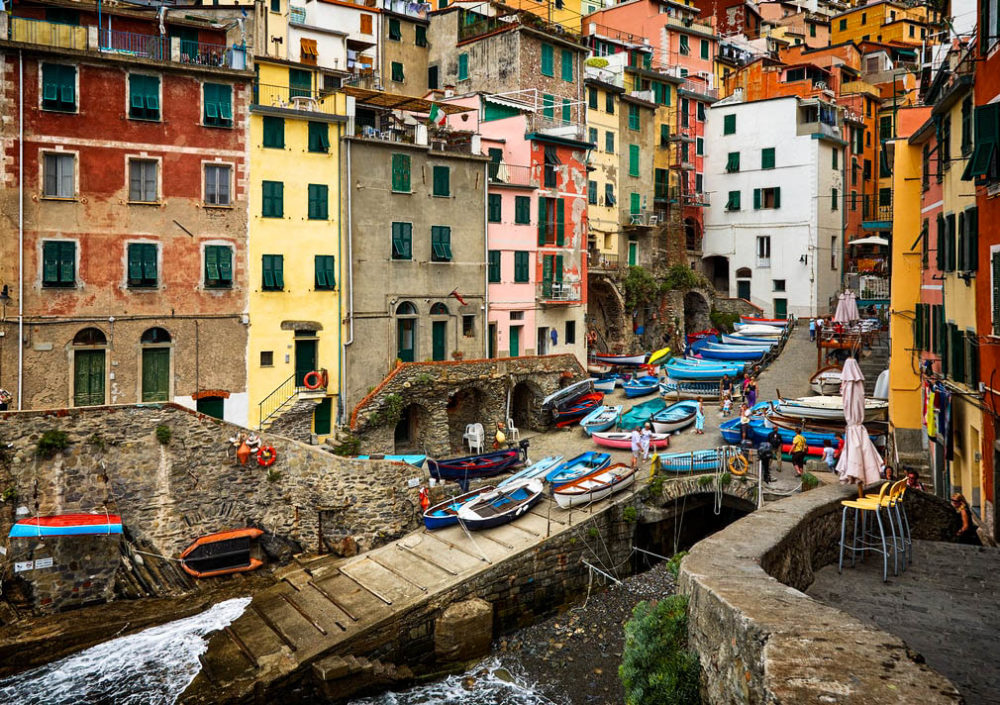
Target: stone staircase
column 874, row 361
column 293, row 419
column 339, row 677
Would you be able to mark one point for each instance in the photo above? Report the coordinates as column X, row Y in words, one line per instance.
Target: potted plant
column 457, row 355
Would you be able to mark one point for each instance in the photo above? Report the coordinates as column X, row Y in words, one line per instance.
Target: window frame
column 265, row 199
column 435, row 171
column 393, row 74
column 272, row 132
column 221, row 282
column 522, row 266
column 44, row 154
column 329, row 273
column 404, row 251
column 441, row 244
column 131, row 162
column 494, row 207
column 142, row 248
column 319, row 135
column 317, row 202
column 277, row 273
column 547, row 61
column 59, row 106
column 229, row 184
column 129, row 107
column 493, row 266
column 394, row 30
column 60, row 244
column 522, row 210
column 729, row 124
column 221, row 120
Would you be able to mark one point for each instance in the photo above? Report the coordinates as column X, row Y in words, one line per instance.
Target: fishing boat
column 828, row 407
column 598, row 368
column 568, row 394
column 755, row 330
column 67, row 525
column 571, row 412
column 827, row 380
column 730, row 430
column 623, row 441
column 732, row 352
column 706, row 333
column 736, row 339
column 640, row 414
column 624, row 360
column 579, row 466
column 501, row 506
column 601, row 418
column 476, row 466
column 595, row 486
column 606, row 385
column 697, row 461
column 414, row 460
column 658, row 356
column 678, row 373
column 222, row 553
column 675, row 417
column 641, row 387
column 690, row 390
column 445, row 513
column 713, row 345
column 757, row 320
column 537, row 469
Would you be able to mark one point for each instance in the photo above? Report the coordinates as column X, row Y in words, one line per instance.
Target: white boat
column 827, row 407
column 882, row 385
column 758, row 330
column 537, row 469
column 606, row 385
column 736, row 339
column 627, row 360
column 569, row 393
column 827, row 380
column 595, row 486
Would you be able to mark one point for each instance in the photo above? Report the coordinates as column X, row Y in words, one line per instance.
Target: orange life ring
column 266, row 456
column 314, row 375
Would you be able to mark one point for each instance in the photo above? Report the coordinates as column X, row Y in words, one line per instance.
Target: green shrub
column 674, row 563
column 705, row 480
column 656, row 485
column 593, row 533
column 725, row 479
column 97, row 440
column 657, row 667
column 273, row 475
column 52, row 442
column 809, row 481
column 9, row 494
column 350, row 446
column 164, row 434
column 723, row 322
column 630, row 514
column 640, row 288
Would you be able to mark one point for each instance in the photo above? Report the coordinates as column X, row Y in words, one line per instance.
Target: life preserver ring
column 266, row 456
column 317, row 380
column 738, row 460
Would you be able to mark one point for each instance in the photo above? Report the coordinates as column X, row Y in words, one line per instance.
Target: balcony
column 602, row 32
column 602, row 262
column 553, row 292
column 555, row 126
column 503, row 174
column 296, row 99
column 877, row 211
column 152, row 47
column 699, row 87
column 416, row 10
column 642, row 218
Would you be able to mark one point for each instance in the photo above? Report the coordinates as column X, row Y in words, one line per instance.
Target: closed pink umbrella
column 859, row 461
column 852, row 306
column 847, row 308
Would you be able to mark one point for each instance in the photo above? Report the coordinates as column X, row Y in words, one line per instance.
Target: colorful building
column 885, row 21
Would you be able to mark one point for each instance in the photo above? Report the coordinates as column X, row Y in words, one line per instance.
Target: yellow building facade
column 884, row 22
column 295, row 254
column 603, row 108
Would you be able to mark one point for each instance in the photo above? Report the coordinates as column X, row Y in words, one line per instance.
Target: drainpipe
column 20, row 233
column 350, row 276
column 486, row 258
column 340, row 297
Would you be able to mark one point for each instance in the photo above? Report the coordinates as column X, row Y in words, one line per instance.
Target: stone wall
column 760, row 640
column 170, row 494
column 740, row 307
column 74, row 570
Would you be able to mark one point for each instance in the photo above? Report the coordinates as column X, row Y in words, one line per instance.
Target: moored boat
column 594, row 486
column 573, row 411
column 732, row 352
column 827, row 380
column 606, row 385
column 414, row 460
column 641, row 387
column 67, row 525
column 697, row 461
column 828, row 407
column 501, row 506
column 623, row 441
column 445, row 513
column 737, row 339
column 568, row 393
column 601, row 418
column 675, row 417
column 625, row 360
column 756, row 330
column 690, row 390
column 758, row 320
column 475, row 466
column 536, row 469
column 640, row 414
column 221, row 553
column 578, row 467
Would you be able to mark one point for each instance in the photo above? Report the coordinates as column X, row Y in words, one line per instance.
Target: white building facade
column 774, row 230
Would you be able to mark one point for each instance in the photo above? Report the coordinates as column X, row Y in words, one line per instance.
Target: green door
column 322, row 417
column 492, row 341
column 743, row 289
column 633, row 254
column 515, row 341
column 305, row 360
column 405, row 328
column 88, row 378
column 155, row 374
column 439, row 330
column 780, row 308
column 212, row 406
column 634, row 204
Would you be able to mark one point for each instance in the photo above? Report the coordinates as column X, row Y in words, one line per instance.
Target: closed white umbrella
column 859, row 460
column 852, row 305
column 847, row 308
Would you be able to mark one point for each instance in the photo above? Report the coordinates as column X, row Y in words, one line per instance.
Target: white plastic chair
column 475, row 436
column 512, row 433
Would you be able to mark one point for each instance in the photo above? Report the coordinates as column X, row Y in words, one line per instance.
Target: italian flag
column 437, row 116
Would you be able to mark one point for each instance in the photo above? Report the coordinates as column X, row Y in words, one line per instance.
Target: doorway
column 211, row 406
column 541, row 345
column 322, row 417
column 439, row 333
column 780, row 308
column 88, row 378
column 492, row 340
column 633, row 253
column 155, row 374
column 743, row 289
column 515, row 341
column 305, row 358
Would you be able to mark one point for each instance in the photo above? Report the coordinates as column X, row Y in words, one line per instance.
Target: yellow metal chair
column 892, row 503
column 863, row 510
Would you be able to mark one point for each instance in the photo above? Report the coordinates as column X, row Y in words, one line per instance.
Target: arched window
column 90, row 336
column 406, row 331
column 439, row 309
column 743, row 273
column 155, row 335
column 155, row 365
column 406, row 309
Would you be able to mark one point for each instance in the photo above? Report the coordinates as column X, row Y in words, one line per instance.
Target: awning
column 510, row 103
column 873, row 240
column 393, row 101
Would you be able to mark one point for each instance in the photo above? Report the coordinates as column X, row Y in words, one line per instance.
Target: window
column 551, row 221
column 495, row 201
column 633, row 117
column 609, row 142
column 567, row 114
column 729, row 124
column 469, row 325
column 592, row 136
column 764, row 247
column 402, row 241
column 267, row 358
column 661, row 93
column 463, row 66
column 274, row 132
column 274, row 272
column 420, row 35
column 836, row 158
column 843, row 25
column 300, row 82
column 592, row 193
column 633, row 160
column 521, row 271
column 59, row 87
column 779, row 284
column 570, row 338
column 144, row 97
column 733, row 162
column 366, row 24
column 970, row 242
column 440, row 243
column 885, row 128
column 766, row 198
column 864, row 18
column 397, row 72
column 551, row 167
column 701, row 111
column 833, row 252
column 275, row 5
column 218, row 105
column 493, row 266
column 218, row 267
column 567, row 65
column 609, row 195
column 59, row 177
column 967, row 126
column 59, row 263
column 661, row 184
column 432, row 77
column 395, row 32
column 592, row 96
column 834, row 198
column 318, row 201
column 142, row 180
column 548, row 60
column 812, row 30
column 319, row 137
column 522, row 210
column 609, row 103
column 664, row 135
column 699, row 183
column 733, row 203
column 217, row 184
column 854, row 200
column 685, row 111
column 401, row 173
column 704, row 48
column 273, row 203
column 326, row 279
column 141, row 265
column 442, row 181
column 982, row 165
column 685, row 47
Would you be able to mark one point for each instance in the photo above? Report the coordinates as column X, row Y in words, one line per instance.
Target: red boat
column 222, row 553
column 67, row 525
column 699, row 334
column 577, row 409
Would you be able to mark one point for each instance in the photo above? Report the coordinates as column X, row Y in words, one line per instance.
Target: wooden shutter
column 559, row 268
column 212, row 263
column 225, row 258
column 560, row 221
column 149, row 263
column 960, row 248
column 543, row 215
column 777, row 197
column 972, row 239
column 940, row 250
column 756, row 199
column 268, row 270
column 918, row 336
column 67, row 262
column 279, row 271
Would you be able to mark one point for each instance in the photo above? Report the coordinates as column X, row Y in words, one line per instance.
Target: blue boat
column 695, row 461
column 716, row 351
column 699, row 362
column 690, row 390
column 688, row 374
column 445, row 513
column 606, row 384
column 581, row 465
column 501, row 506
column 640, row 414
column 747, row 340
column 414, row 460
column 675, row 417
column 534, row 470
column 67, row 525
column 601, row 419
column 641, row 387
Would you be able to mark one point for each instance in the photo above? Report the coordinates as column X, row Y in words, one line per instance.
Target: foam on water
column 151, row 667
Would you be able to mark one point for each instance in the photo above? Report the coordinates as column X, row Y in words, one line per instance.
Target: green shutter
column 493, row 267
column 633, row 160
column 395, row 32
column 950, row 243
column 960, row 250
column 267, row 268
column 318, row 201
column 609, row 142
column 633, row 117
column 495, row 207
column 59, row 87
column 559, row 268
column 279, row 271
column 567, row 65
column 987, row 142
column 521, row 273
column 592, row 98
column 134, row 265
column 767, row 158
column 326, row 278
column 567, row 111
column 704, row 48
column 664, row 135
column 548, row 60
column 918, row 335
column 463, row 66
column 733, row 162
column 560, row 221
column 635, row 203
column 522, row 210
column 211, row 263
column 442, row 179
column 401, row 172
column 547, row 262
column 592, row 192
column 941, row 249
column 397, row 72
column 218, row 109
column 144, row 97
column 543, row 214
column 299, row 83
column 729, row 124
column 777, row 197
column 149, row 264
column 756, row 199
column 319, row 137
column 273, row 205
column 548, row 103
column 402, row 240
column 274, row 132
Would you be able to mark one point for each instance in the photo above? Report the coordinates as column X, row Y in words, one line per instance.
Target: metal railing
column 286, row 98
column 511, row 174
column 144, row 46
column 598, row 261
column 202, row 54
column 558, row 292
column 643, row 217
column 555, row 126
column 603, row 31
column 701, row 88
column 877, row 208
column 404, row 134
column 274, row 401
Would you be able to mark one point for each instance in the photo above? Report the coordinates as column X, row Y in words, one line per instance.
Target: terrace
column 503, row 174
column 473, row 25
column 283, row 98
column 557, row 292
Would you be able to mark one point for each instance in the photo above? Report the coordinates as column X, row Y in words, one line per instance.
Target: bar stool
column 892, row 503
column 863, row 509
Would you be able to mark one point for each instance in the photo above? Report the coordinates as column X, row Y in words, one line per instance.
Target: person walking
column 634, row 438
column 828, row 451
column 799, row 452
column 644, row 440
column 744, row 422
column 699, row 418
column 725, row 387
column 751, row 392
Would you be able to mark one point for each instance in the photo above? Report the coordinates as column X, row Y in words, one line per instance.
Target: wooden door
column 323, row 417
column 515, row 341
column 780, row 308
column 305, row 360
column 743, row 289
column 88, row 378
column 212, row 406
column 439, row 330
column 155, row 374
column 405, row 328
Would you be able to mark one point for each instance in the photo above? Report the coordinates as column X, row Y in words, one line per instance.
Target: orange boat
column 221, row 554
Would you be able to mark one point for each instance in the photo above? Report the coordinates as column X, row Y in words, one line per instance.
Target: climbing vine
column 391, row 412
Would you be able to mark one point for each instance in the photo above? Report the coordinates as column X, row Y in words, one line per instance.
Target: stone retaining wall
column 760, row 640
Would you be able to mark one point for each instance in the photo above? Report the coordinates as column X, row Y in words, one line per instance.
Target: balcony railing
column 555, row 126
column 403, row 134
column 558, row 292
column 700, row 87
column 511, row 174
column 642, row 218
column 598, row 261
column 695, row 198
column 877, row 209
column 602, row 31
column 301, row 99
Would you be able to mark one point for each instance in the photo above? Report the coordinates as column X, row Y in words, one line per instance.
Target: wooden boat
column 445, row 513
column 757, row 320
column 827, row 380
column 67, row 525
column 706, row 333
column 624, row 360
column 577, row 409
column 537, row 469
column 414, row 460
column 579, row 466
column 601, row 418
column 687, row 373
column 599, row 368
column 746, row 340
column 501, row 506
column 606, row 385
column 696, row 461
column 733, row 352
column 475, row 466
column 221, row 553
column 828, row 407
column 756, row 330
column 658, row 356
column 595, row 486
column 690, row 390
column 640, row 414
column 568, row 394
column 623, row 441
column 641, row 387
column 675, row 417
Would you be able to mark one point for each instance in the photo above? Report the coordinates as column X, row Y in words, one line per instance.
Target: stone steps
column 343, row 676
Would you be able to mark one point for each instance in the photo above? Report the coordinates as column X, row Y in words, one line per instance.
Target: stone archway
column 526, row 407
column 605, row 313
column 412, row 432
column 696, row 311
column 465, row 407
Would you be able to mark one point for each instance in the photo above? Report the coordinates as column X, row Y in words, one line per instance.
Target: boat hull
column 476, row 466
column 222, row 553
column 537, row 469
column 601, row 419
column 487, row 512
column 623, row 441
column 414, row 460
column 690, row 390
column 67, row 525
column 640, row 414
column 606, row 385
column 746, row 340
column 624, row 360
column 595, row 486
column 695, row 461
column 445, row 513
column 579, row 466
column 675, row 417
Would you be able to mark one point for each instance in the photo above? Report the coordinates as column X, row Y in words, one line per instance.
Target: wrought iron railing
column 287, row 98
column 642, row 217
column 598, row 261
column 512, row 174
column 274, row 401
